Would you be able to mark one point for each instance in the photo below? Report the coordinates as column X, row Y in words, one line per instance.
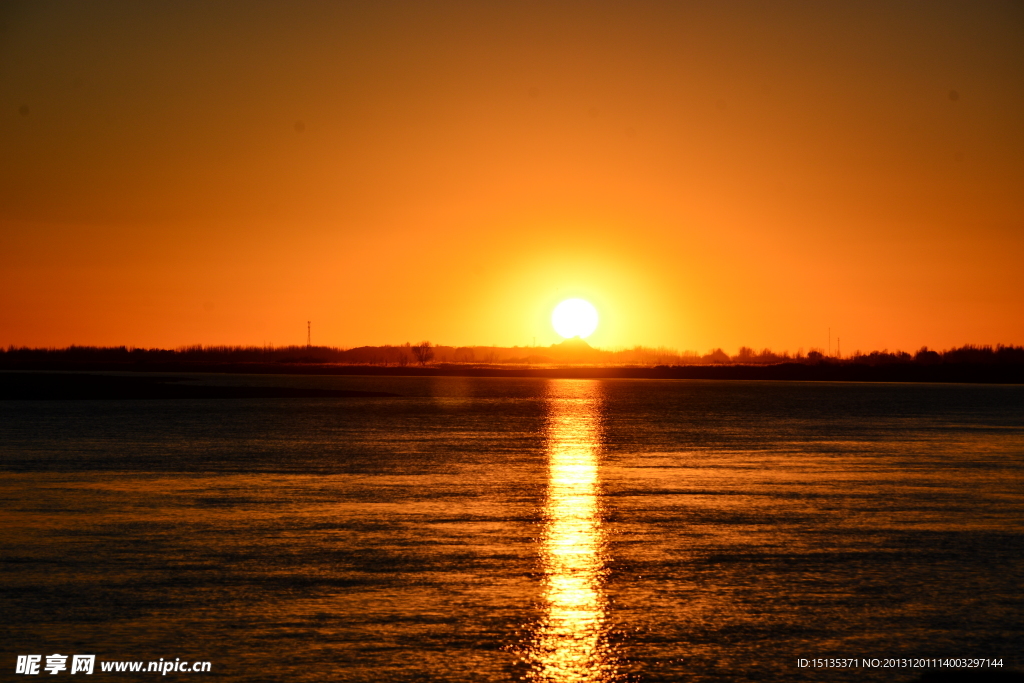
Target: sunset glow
column 469, row 340
column 451, row 172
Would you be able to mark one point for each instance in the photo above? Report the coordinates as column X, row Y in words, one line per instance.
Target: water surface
column 518, row 529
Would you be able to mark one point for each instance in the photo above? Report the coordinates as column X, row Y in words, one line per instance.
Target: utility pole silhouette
column 309, row 334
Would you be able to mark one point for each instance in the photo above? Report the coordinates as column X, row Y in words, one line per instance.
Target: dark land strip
column 35, row 386
column 982, row 373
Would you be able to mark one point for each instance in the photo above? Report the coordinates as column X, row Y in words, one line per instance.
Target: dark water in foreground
column 506, row 529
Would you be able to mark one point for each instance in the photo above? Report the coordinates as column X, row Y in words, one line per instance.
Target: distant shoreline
column 995, row 373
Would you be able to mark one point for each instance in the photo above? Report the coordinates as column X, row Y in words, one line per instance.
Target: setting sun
column 574, row 318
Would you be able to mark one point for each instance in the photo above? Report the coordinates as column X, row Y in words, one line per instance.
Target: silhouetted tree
column 423, row 352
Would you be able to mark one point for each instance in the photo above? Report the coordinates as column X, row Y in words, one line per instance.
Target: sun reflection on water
column 570, row 642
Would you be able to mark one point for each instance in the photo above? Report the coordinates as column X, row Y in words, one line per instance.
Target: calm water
column 502, row 529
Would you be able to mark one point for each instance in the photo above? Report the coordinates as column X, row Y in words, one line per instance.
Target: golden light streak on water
column 570, row 644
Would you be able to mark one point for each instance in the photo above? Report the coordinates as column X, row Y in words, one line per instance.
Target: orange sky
column 707, row 174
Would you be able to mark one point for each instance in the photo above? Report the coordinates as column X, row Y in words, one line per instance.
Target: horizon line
column 742, row 351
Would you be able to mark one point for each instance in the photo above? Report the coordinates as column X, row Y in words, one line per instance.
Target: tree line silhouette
column 425, row 353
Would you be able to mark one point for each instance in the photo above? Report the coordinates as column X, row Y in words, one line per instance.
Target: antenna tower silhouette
column 309, row 334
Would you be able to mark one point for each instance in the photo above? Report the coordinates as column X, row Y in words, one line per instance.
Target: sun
column 574, row 318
